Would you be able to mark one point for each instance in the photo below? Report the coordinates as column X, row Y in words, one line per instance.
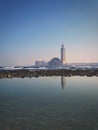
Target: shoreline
column 46, row 72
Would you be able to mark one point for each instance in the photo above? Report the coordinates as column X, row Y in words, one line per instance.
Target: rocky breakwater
column 46, row 72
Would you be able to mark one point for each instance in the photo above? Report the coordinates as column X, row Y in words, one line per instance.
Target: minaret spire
column 62, row 54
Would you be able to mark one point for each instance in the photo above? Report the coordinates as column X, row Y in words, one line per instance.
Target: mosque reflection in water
column 63, row 81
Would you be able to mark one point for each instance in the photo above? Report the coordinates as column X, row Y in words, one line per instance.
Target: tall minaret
column 62, row 54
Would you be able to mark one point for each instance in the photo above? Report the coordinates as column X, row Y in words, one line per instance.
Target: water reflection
column 63, row 81
column 40, row 104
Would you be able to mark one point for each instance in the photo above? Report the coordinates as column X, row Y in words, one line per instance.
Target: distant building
column 55, row 62
column 62, row 54
column 40, row 63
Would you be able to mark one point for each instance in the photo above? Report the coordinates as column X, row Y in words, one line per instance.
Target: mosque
column 56, row 61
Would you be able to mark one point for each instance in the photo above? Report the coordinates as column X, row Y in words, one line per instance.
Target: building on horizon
column 62, row 54
column 40, row 63
column 54, row 62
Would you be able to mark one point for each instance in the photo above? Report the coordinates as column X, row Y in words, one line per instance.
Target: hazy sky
column 35, row 29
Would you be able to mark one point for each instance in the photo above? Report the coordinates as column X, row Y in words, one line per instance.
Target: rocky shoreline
column 46, row 72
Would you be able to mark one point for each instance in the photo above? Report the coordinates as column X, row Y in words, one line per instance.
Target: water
column 49, row 103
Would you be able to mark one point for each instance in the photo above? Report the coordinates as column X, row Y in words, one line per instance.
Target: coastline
column 46, row 72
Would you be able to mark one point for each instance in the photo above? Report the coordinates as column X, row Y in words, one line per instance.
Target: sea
column 49, row 103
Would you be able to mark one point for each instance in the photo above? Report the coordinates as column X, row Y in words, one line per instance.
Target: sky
column 33, row 30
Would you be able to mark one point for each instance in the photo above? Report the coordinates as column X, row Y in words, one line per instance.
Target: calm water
column 49, row 103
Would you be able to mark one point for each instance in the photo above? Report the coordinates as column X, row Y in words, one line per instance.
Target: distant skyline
column 33, row 30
